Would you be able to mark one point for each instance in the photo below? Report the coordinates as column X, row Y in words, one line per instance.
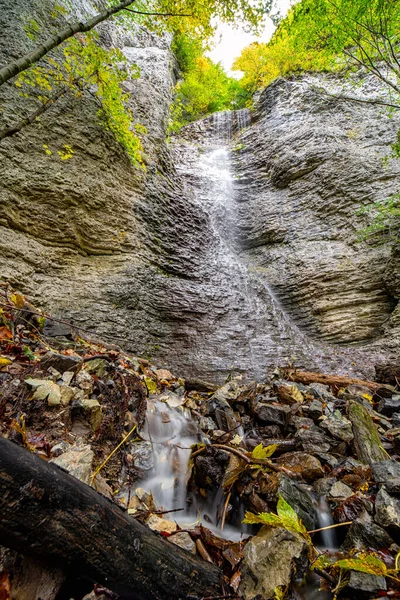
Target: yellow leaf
column 261, row 453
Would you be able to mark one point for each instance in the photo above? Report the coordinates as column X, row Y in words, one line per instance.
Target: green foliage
column 326, row 35
column 385, row 223
column 86, row 66
column 32, row 29
column 261, row 452
column 205, row 87
column 285, row 517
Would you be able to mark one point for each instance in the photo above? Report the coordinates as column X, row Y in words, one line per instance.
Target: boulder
column 271, row 559
column 364, row 534
column 387, row 473
column 338, row 426
column 300, row 500
column 302, row 464
column 387, row 510
column 389, row 406
column 365, row 582
column 272, row 413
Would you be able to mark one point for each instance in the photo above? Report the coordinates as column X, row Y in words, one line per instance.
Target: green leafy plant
column 286, row 517
column 385, row 224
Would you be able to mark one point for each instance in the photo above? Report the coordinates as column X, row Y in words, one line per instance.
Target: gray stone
column 313, row 439
column 364, row 534
column 272, row 413
column 389, row 406
column 315, row 409
column 300, row 500
column 338, row 426
column 387, row 472
column 365, row 582
column 396, row 419
column 387, row 510
column 207, row 424
column 142, row 453
column 340, row 490
column 270, row 560
column 77, row 461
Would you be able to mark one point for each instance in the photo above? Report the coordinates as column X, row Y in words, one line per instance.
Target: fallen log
column 339, row 381
column 47, row 513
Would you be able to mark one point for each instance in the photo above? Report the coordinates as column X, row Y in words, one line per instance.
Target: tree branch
column 156, row 14
column 21, row 64
column 32, row 117
column 363, row 101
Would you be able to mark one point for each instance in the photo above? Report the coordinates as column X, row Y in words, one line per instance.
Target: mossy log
column 367, row 443
column 47, row 513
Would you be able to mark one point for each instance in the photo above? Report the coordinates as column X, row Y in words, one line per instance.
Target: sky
column 230, row 41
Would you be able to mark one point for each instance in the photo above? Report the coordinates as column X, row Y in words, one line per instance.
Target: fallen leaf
column 5, row 333
column 45, row 390
column 4, row 361
column 18, row 300
column 5, row 587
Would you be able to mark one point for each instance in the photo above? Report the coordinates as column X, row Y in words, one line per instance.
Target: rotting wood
column 47, row 513
column 340, row 381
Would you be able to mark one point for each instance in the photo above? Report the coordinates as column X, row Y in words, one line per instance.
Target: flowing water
column 257, row 318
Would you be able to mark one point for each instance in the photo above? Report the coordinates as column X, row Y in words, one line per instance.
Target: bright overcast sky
column 230, row 41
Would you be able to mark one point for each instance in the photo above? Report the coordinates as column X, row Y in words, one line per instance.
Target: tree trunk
column 21, row 64
column 47, row 513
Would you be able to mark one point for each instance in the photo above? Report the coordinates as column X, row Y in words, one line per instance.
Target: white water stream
column 170, row 430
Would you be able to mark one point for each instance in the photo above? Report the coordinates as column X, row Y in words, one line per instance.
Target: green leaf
column 263, row 518
column 289, row 518
column 323, row 561
column 261, row 453
column 368, row 563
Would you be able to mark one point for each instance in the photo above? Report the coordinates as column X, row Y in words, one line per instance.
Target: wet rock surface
column 155, row 453
column 208, row 263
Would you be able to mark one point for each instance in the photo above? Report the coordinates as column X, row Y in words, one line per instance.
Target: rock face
column 270, row 561
column 208, row 261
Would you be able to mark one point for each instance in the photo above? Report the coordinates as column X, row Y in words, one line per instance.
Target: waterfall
column 171, row 433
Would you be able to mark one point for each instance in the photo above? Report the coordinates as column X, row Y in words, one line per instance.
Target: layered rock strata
column 148, row 258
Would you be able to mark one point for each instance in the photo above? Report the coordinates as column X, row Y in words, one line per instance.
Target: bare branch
column 32, row 117
column 156, row 14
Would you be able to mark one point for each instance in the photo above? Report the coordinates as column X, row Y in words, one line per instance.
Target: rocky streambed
column 248, row 476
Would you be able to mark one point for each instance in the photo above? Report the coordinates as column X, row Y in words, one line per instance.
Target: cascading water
column 171, row 432
column 252, row 318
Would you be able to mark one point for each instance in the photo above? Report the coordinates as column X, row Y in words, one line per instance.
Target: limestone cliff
column 151, row 258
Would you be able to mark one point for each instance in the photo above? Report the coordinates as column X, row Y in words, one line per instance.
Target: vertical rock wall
column 133, row 255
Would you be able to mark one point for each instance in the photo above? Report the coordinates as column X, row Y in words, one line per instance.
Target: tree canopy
column 69, row 59
column 326, row 35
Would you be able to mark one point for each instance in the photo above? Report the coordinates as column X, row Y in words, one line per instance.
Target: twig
column 325, row 575
column 330, row 527
column 9, row 131
column 224, row 511
column 97, row 471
